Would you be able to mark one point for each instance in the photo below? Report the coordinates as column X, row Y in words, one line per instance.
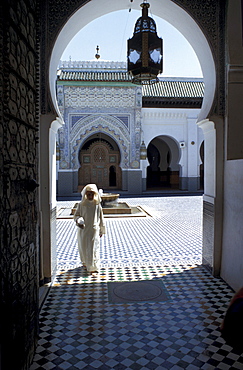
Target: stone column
column 213, row 193
column 48, row 128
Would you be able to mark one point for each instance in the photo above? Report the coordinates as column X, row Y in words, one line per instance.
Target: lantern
column 143, row 151
column 144, row 54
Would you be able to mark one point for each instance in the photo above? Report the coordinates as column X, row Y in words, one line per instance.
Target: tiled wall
column 208, row 235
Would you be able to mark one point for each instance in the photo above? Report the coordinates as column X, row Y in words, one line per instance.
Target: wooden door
column 100, row 166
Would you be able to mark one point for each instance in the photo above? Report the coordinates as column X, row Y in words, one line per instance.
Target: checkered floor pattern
column 81, row 329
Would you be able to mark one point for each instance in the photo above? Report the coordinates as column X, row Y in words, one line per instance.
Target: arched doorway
column 173, row 13
column 166, row 9
column 99, row 159
column 163, row 169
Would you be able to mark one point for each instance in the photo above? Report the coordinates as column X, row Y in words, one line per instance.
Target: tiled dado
column 208, row 235
column 53, row 240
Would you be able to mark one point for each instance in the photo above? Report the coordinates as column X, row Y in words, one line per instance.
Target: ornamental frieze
column 96, row 97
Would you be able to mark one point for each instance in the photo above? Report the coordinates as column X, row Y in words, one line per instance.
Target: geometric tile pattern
column 81, row 329
column 172, row 235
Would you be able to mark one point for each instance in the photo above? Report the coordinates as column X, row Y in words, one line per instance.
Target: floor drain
column 137, row 291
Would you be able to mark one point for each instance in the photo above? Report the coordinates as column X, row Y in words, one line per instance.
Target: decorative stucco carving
column 99, row 97
column 210, row 16
column 108, row 120
column 91, row 125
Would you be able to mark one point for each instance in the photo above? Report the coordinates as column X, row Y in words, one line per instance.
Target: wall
column 232, row 241
column 19, row 109
column 19, row 244
column 175, row 126
column 232, row 256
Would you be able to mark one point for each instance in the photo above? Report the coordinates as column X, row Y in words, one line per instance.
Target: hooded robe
column 89, row 213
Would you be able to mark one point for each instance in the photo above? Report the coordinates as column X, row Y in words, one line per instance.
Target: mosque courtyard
column 170, row 319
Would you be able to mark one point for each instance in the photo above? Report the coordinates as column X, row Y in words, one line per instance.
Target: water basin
column 118, row 208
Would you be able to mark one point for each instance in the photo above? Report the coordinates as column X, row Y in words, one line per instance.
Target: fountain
column 110, row 204
column 113, row 208
column 109, row 197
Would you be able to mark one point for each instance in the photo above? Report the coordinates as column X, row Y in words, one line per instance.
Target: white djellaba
column 90, row 221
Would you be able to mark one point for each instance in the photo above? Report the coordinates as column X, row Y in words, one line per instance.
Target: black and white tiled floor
column 81, row 329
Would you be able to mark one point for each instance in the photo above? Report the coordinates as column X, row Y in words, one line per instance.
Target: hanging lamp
column 143, row 151
column 145, row 48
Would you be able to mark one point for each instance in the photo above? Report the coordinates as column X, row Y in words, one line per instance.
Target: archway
column 165, row 9
column 163, row 157
column 99, row 159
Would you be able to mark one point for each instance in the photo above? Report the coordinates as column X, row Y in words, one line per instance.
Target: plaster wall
column 176, row 126
column 232, row 253
column 232, row 234
column 171, row 122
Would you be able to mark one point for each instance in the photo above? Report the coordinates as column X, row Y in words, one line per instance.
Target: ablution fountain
column 111, row 205
column 111, row 208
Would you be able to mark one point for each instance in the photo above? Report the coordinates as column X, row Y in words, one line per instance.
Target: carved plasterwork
column 99, row 97
column 108, row 120
column 210, row 16
column 159, row 115
column 96, row 124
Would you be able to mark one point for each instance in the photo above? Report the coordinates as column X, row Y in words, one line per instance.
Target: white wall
column 180, row 125
column 232, row 254
column 232, row 241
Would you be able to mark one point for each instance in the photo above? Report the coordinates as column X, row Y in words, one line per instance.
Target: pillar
column 213, row 193
column 49, row 125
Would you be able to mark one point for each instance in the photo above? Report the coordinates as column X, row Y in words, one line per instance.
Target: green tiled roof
column 168, row 92
column 95, row 76
column 174, row 89
column 167, row 87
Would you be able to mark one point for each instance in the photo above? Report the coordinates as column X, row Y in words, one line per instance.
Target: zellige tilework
column 81, row 329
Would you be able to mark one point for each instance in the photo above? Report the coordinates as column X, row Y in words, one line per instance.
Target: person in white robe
column 90, row 221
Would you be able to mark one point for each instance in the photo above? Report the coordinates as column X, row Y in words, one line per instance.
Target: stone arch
column 200, row 26
column 108, row 125
column 165, row 9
